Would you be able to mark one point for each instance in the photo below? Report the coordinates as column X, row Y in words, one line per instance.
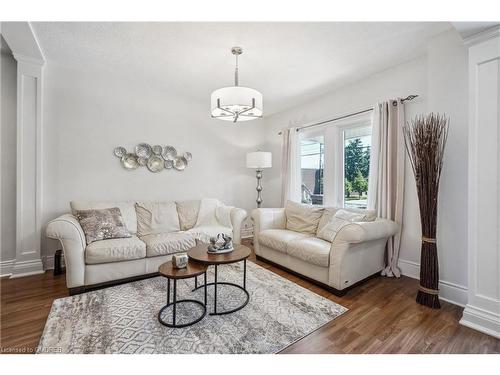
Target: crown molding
column 482, row 36
column 27, row 59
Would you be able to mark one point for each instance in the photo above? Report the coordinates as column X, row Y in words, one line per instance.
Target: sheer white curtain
column 387, row 170
column 291, row 179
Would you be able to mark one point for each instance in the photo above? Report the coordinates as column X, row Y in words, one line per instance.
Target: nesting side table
column 193, row 269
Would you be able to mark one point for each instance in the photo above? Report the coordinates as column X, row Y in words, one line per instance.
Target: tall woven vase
column 425, row 140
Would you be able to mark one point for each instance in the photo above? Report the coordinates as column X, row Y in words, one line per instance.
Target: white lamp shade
column 236, row 99
column 259, row 160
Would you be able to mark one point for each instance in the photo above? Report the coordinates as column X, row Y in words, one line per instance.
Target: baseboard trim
column 409, row 268
column 26, row 268
column 449, row 292
column 481, row 320
column 6, row 267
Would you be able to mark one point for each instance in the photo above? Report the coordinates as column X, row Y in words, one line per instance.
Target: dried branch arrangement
column 425, row 140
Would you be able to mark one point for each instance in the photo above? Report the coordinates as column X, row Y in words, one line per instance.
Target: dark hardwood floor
column 383, row 317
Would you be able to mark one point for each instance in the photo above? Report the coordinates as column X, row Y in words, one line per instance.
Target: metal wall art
column 155, row 158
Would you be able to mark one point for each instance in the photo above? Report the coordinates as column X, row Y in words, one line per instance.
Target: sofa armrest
column 367, row 231
column 238, row 216
column 268, row 218
column 68, row 231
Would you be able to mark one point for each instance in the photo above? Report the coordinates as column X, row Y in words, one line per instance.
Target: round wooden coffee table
column 192, row 269
column 240, row 253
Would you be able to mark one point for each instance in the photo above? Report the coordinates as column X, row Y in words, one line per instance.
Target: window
column 335, row 162
column 311, row 169
column 357, row 142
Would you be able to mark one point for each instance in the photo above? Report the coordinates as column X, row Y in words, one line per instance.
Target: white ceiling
column 288, row 62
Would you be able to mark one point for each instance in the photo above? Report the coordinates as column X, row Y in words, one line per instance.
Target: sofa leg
column 76, row 290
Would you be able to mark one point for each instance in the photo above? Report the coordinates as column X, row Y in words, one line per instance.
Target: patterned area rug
column 124, row 318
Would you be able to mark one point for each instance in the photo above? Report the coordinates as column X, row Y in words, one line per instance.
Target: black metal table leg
column 196, row 282
column 205, row 289
column 175, row 298
column 215, row 290
column 245, row 274
column 217, row 283
column 172, row 303
column 168, row 292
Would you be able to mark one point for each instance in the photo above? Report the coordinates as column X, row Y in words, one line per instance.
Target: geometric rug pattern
column 124, row 318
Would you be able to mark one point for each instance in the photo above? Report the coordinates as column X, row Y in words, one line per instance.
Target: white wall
column 88, row 113
column 447, row 76
column 8, row 155
column 440, row 80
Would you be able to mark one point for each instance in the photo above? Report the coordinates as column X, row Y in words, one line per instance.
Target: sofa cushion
column 127, row 210
column 188, row 213
column 115, row 250
column 168, row 243
column 278, row 239
column 302, row 218
column 311, row 250
column 156, row 217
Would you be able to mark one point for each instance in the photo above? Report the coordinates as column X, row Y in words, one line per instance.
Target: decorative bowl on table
column 220, row 244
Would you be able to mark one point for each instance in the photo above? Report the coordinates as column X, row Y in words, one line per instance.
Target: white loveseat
column 106, row 261
column 356, row 253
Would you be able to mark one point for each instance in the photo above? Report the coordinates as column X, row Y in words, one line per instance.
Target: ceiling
column 288, row 62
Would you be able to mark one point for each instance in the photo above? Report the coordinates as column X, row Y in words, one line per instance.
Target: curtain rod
column 394, row 103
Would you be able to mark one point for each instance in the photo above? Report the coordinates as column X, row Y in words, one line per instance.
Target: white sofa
column 120, row 259
column 356, row 253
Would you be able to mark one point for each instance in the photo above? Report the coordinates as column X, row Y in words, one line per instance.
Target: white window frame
column 333, row 172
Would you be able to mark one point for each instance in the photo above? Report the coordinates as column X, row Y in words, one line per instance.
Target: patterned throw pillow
column 102, row 224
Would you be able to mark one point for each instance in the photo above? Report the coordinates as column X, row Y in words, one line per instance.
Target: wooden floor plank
column 383, row 317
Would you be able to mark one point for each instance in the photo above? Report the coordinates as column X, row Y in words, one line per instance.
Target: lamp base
column 259, row 187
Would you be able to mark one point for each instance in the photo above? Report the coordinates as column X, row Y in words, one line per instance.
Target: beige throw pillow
column 326, row 217
column 102, row 224
column 156, row 217
column 339, row 220
column 302, row 218
column 367, row 215
column 330, row 230
column 188, row 213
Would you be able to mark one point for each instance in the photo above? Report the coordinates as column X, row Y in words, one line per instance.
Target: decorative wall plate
column 155, row 164
column 180, row 163
column 157, row 149
column 169, row 164
column 119, row 151
column 142, row 161
column 129, row 161
column 143, row 150
column 155, row 158
column 169, row 153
